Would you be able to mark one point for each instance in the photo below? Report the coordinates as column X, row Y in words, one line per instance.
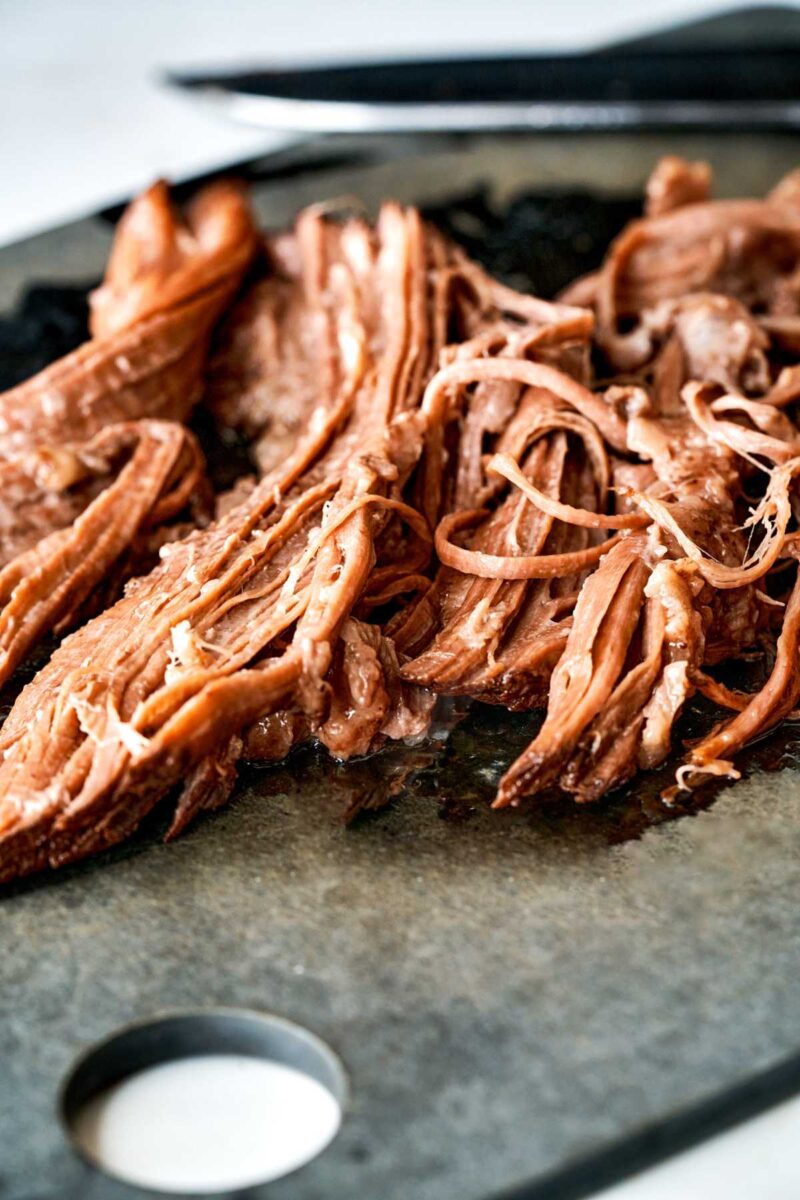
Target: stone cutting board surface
column 508, row 991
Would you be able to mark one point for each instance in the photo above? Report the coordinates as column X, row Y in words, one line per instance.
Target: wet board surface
column 508, row 991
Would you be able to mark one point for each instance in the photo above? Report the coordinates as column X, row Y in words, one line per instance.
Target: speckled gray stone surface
column 507, row 991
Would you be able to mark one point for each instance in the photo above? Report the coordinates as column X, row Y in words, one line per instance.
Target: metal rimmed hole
column 204, row 1101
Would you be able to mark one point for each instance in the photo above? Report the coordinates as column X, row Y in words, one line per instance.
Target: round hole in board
column 204, row 1101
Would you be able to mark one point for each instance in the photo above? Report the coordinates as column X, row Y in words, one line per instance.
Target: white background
column 84, row 122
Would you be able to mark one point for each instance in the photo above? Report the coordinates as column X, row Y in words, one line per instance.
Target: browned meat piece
column 264, row 376
column 675, row 183
column 166, row 286
column 605, row 618
column 159, row 261
column 209, row 786
column 634, row 730
column 474, row 612
column 747, row 249
column 243, row 618
column 128, row 479
column 84, row 486
column 701, row 608
column 47, row 490
column 498, row 640
column 369, row 703
column 275, row 346
column 778, row 697
column 271, row 737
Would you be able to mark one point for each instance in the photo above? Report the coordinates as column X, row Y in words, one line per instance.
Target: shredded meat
column 167, row 284
column 90, row 480
column 582, row 506
column 675, row 182
column 46, row 578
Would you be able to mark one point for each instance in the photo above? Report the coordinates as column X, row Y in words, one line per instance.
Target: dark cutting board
column 509, row 992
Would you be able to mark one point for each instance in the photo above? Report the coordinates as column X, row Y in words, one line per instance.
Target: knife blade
column 618, row 89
